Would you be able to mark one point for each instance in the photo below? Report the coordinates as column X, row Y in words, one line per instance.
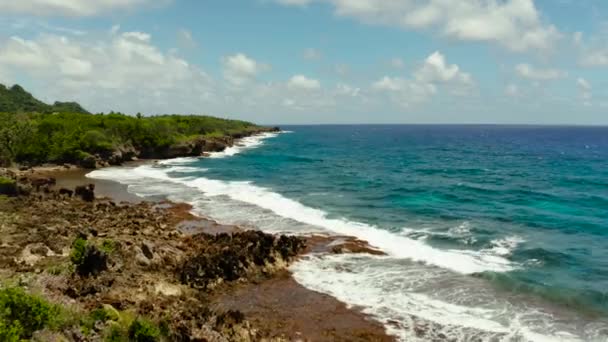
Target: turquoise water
column 496, row 229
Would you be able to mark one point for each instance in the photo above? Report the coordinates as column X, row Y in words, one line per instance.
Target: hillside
column 34, row 133
column 16, row 100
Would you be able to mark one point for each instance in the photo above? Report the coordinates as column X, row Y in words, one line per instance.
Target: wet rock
column 86, row 193
column 66, row 192
column 38, row 182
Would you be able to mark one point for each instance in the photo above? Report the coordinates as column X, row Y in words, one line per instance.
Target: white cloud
column 435, row 69
column 537, row 74
column 595, row 58
column 302, row 82
column 240, row 69
column 347, row 90
column 125, row 71
column 312, row 54
column 390, row 84
column 513, row 24
column 592, row 49
column 69, row 7
column 426, row 81
column 583, row 83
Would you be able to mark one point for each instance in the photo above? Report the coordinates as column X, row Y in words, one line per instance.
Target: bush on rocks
column 8, row 187
column 22, row 314
column 88, row 259
column 142, row 330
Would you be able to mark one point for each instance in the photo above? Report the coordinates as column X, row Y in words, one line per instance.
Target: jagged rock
column 229, row 257
column 66, row 192
column 89, row 162
column 93, row 262
column 147, row 249
column 86, row 193
column 141, row 258
column 42, row 181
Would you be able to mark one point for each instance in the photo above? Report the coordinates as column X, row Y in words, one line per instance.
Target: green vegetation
column 22, row 314
column 78, row 251
column 32, row 133
column 16, row 100
column 87, row 258
column 7, row 186
column 108, row 246
column 142, row 330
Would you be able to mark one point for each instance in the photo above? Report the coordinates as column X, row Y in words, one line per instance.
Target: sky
column 316, row 61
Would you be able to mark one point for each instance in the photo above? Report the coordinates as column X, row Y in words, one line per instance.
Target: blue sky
column 316, row 61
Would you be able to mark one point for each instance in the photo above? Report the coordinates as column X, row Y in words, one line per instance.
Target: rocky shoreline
column 194, row 147
column 197, row 279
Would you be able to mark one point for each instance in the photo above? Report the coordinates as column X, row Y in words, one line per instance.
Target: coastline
column 279, row 304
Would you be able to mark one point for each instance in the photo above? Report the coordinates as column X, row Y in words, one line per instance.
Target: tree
column 14, row 132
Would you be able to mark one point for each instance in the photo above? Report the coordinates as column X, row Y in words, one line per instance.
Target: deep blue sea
column 496, row 233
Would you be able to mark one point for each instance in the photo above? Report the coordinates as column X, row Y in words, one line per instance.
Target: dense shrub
column 33, row 132
column 78, row 249
column 8, row 187
column 142, row 330
column 88, row 259
column 22, row 314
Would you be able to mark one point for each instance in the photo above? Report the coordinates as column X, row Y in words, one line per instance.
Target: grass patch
column 108, row 246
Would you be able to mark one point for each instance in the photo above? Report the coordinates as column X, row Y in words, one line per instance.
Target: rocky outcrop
column 230, row 257
column 193, row 147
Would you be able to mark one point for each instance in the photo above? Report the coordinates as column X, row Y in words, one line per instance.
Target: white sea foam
column 395, row 245
column 178, row 161
column 243, row 144
column 421, row 303
column 504, row 246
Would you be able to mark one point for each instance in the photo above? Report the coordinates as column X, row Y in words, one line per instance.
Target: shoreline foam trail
column 465, row 262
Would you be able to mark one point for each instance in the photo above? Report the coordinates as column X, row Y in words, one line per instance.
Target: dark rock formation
column 86, row 193
column 229, row 257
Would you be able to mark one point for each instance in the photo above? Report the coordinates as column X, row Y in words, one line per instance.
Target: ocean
column 491, row 233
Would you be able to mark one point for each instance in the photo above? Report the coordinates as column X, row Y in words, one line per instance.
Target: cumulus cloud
column 69, row 7
column 124, row 71
column 239, row 69
column 538, row 74
column 301, row 82
column 514, row 24
column 432, row 74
